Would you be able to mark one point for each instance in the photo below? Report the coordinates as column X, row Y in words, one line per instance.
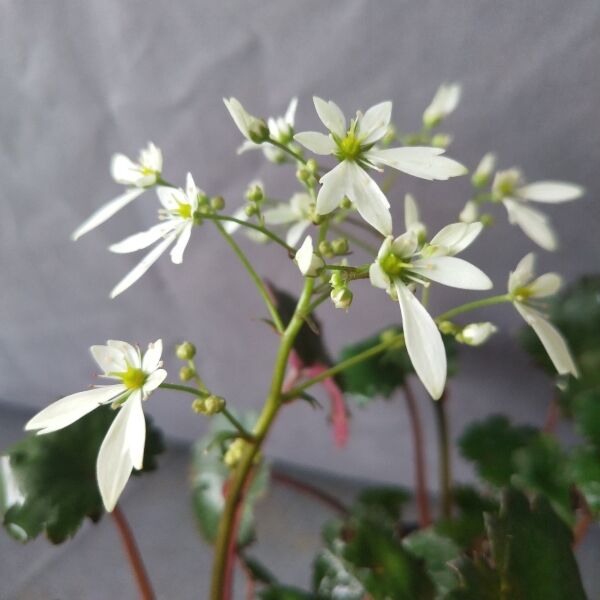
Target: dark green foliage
column 48, row 482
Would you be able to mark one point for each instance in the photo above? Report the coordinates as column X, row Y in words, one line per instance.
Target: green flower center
column 184, row 211
column 349, row 147
column 392, row 265
column 133, row 378
column 522, row 294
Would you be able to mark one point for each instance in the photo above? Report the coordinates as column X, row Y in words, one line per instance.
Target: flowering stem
column 419, row 457
column 258, row 282
column 199, row 394
column 289, row 151
column 261, row 429
column 262, row 230
column 463, row 308
column 444, row 454
column 133, row 555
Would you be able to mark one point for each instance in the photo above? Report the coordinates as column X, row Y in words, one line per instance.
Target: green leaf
column 585, row 471
column 476, row 581
column 381, row 504
column 437, row 551
column 586, row 412
column 334, row 578
column 48, row 482
column 531, row 547
column 281, row 592
column 258, row 571
column 491, row 444
column 209, row 479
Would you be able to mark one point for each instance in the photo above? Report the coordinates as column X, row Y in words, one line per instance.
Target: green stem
column 443, row 435
column 268, row 414
column 289, row 151
column 262, row 230
column 463, row 308
column 245, row 433
column 258, row 282
column 182, row 388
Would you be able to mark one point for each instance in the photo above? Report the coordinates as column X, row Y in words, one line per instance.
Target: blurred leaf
column 437, row 551
column 258, row 571
column 333, row 578
column 48, row 482
column 280, row 592
column 381, row 504
column 585, row 471
column 491, row 444
column 476, row 581
column 586, row 412
column 531, row 547
column 467, row 525
column 209, row 480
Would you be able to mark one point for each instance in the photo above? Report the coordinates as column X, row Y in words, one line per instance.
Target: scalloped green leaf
column 584, row 465
column 48, row 482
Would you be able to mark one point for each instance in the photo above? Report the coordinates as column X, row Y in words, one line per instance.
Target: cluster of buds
column 307, row 174
column 255, row 196
column 341, row 295
column 337, row 247
column 234, row 453
column 210, row 405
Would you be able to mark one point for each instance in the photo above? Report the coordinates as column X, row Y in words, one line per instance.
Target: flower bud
column 258, row 131
column 470, row 212
column 447, row 327
column 505, row 183
column 346, row 203
column 441, row 140
column 185, row 351
column 217, row 203
column 476, row 334
column 487, row 220
column 234, row 452
column 312, row 166
column 337, row 279
column 186, row 373
column 342, row 297
column 211, row 405
column 484, row 170
column 325, row 249
column 250, row 210
column 255, row 193
column 340, row 246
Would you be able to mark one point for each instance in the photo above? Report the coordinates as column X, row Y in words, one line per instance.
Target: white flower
column 123, row 447
column 401, row 264
column 281, row 129
column 298, row 214
column 412, row 220
column 525, row 291
column 444, row 102
column 140, row 176
column 252, row 128
column 484, row 170
column 308, row 262
column 476, row 334
column 175, row 228
column 354, row 146
column 510, row 190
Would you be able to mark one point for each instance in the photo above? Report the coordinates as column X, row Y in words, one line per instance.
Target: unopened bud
column 340, row 246
column 346, row 203
column 470, row 212
column 325, row 249
column 342, row 297
column 484, row 170
column 234, row 452
column 185, row 351
column 250, row 210
column 211, row 405
column 255, row 193
column 312, row 166
column 441, row 140
column 476, row 334
column 447, row 327
column 186, row 373
column 487, row 220
column 337, row 279
column 217, row 203
column 258, row 131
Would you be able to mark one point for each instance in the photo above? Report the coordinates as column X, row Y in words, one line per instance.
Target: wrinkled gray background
column 81, row 80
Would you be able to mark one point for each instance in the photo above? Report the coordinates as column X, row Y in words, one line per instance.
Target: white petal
column 316, row 142
column 295, row 233
column 523, row 273
column 131, row 352
column 551, row 192
column 109, row 359
column 308, row 262
column 290, row 113
column 457, row 236
column 142, row 240
column 333, row 189
column 331, row 116
column 69, row 409
column 142, row 266
column 411, row 212
column 446, row 99
column 239, row 115
column 231, row 226
column 183, row 237
column 282, row 214
column 124, row 170
column 119, row 449
column 191, row 189
column 171, row 197
column 551, row 339
column 405, row 245
column 377, row 276
column 418, row 161
column 153, row 381
column 370, row 201
column 151, row 358
column 423, row 342
column 247, row 145
column 373, row 125
column 545, row 285
column 534, row 224
column 470, row 212
column 151, row 158
column 106, row 212
column 453, row 272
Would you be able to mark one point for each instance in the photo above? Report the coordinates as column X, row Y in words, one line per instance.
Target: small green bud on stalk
column 211, row 405
column 234, row 453
column 325, row 249
column 258, row 131
column 217, row 203
column 448, row 327
column 340, row 246
column 185, row 351
column 186, row 373
column 346, row 203
column 487, row 220
column 342, row 297
column 250, row 210
column 441, row 140
column 255, row 193
column 312, row 166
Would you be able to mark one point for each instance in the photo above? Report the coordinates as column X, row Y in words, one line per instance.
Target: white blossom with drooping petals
column 175, row 228
column 137, row 376
column 508, row 187
column 526, row 292
column 308, row 262
column 139, row 176
column 403, row 263
column 354, row 146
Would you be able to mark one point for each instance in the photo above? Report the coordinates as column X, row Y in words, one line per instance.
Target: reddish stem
column 133, row 555
column 419, row 457
column 582, row 526
column 552, row 417
column 250, row 582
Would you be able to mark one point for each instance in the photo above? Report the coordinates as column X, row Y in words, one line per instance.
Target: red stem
column 133, row 555
column 582, row 526
column 552, row 417
column 419, row 457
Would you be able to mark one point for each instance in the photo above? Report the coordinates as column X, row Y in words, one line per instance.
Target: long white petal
column 370, row 201
column 374, row 123
column 231, row 226
column 420, row 162
column 142, row 266
column 551, row 339
column 151, row 358
column 282, row 214
column 290, row 113
column 316, row 142
column 131, row 352
column 411, row 212
column 523, row 273
column 69, row 409
column 308, row 262
column 423, row 342
column 109, row 359
column 123, row 170
column 183, row 237
column 106, row 212
column 331, row 116
column 453, row 272
column 457, row 236
column 115, row 459
column 378, row 278
column 154, row 380
column 239, row 115
column 333, row 189
column 136, row 430
column 171, row 197
column 295, row 233
column 139, row 241
column 551, row 192
column 534, row 224
column 545, row 285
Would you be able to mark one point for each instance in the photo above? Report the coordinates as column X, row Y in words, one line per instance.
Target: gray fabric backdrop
column 81, row 80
